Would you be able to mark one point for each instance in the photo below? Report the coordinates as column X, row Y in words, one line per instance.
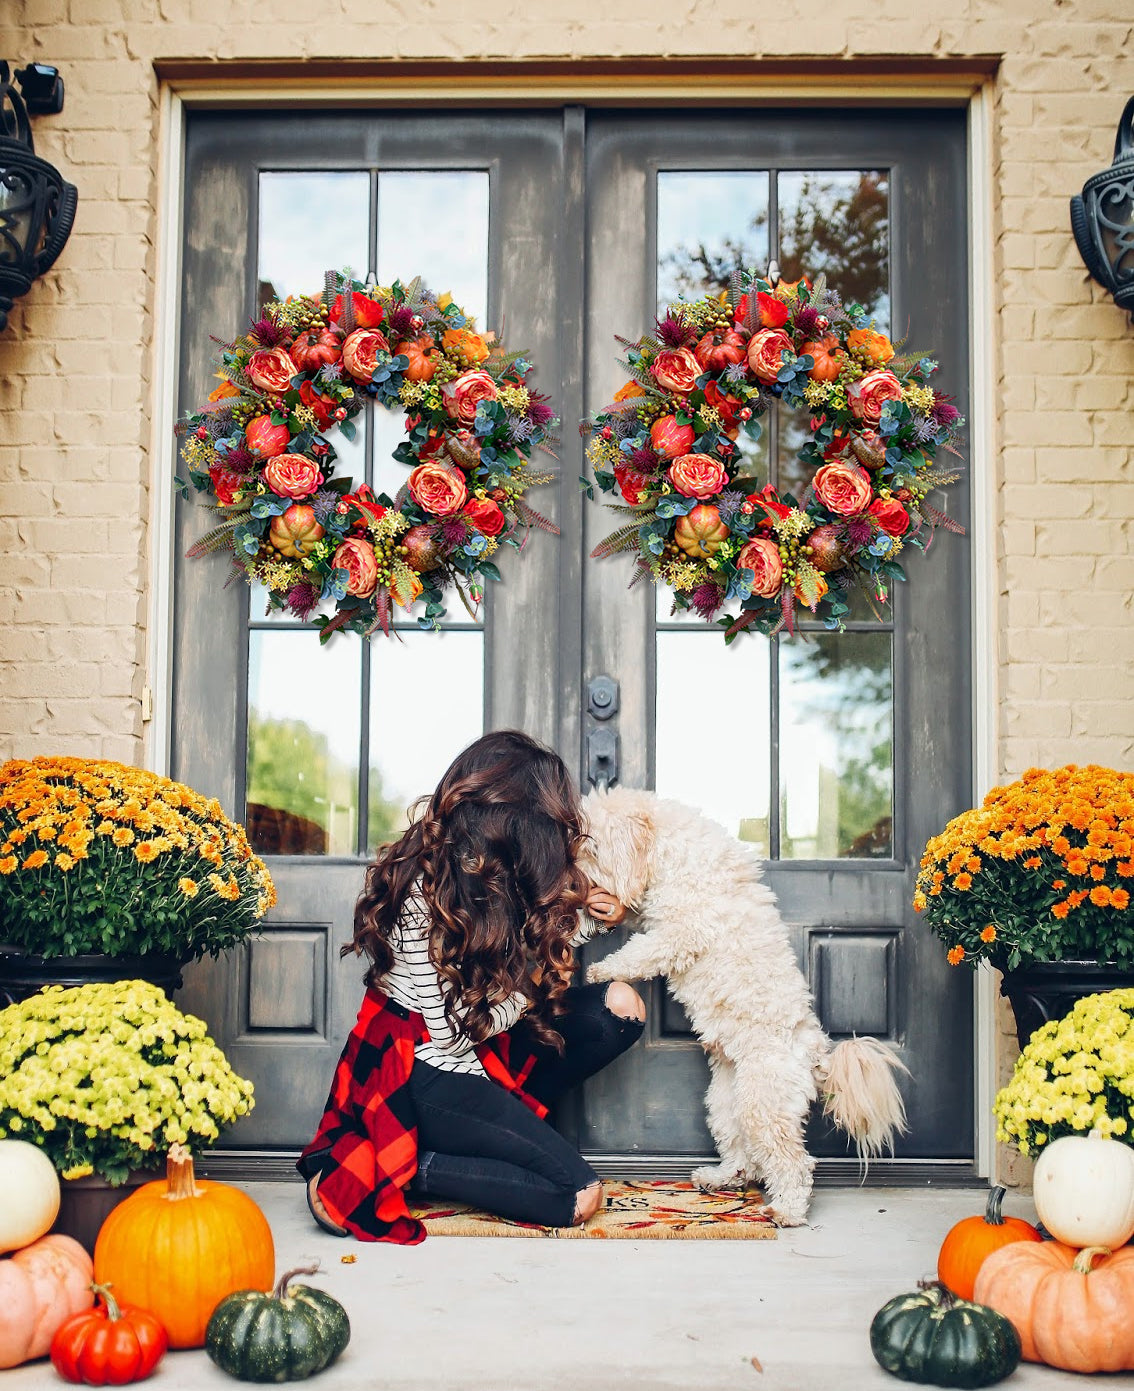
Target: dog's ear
column 627, row 838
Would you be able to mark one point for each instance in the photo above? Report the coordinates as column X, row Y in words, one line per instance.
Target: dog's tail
column 862, row 1095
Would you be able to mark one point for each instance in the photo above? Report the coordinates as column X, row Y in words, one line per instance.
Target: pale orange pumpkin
column 700, row 533
column 825, row 352
column 295, row 531
column 180, row 1245
column 422, row 363
column 1072, row 1309
column 41, row 1287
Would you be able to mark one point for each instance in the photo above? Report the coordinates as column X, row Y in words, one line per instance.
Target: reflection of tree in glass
column 838, row 225
column 844, row 685
column 697, row 271
column 294, row 785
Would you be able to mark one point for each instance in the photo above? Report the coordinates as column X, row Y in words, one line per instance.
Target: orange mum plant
column 99, row 857
column 1041, row 871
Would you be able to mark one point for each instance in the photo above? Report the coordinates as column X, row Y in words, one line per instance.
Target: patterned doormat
column 634, row 1211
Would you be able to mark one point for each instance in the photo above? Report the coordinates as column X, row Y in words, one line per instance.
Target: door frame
column 968, row 86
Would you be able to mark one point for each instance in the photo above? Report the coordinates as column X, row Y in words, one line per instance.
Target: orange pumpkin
column 700, row 533
column 295, row 531
column 967, row 1244
column 1072, row 1309
column 41, row 1287
column 419, row 351
column 825, row 351
column 180, row 1245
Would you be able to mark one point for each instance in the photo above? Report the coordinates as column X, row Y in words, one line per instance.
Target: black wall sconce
column 37, row 205
column 1102, row 219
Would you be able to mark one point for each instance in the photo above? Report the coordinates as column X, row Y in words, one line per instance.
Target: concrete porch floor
column 491, row 1314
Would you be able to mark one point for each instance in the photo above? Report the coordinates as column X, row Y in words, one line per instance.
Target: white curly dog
column 710, row 924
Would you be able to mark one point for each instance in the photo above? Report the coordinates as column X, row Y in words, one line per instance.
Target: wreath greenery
column 262, row 450
column 666, row 447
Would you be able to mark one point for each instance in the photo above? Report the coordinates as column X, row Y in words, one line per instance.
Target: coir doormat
column 633, row 1211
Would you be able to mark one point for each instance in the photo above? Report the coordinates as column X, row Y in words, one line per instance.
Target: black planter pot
column 1048, row 990
column 86, row 1203
column 22, row 974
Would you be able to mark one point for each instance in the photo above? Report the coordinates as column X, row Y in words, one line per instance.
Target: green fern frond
column 624, row 539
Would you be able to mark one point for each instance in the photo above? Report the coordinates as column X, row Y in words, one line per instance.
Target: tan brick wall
column 76, row 361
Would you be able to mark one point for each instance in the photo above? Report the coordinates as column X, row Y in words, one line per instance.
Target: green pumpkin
column 932, row 1336
column 287, row 1335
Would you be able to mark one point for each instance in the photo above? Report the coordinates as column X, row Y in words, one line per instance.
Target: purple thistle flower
column 399, row 321
column 728, row 503
column 673, row 330
column 642, row 460
column 807, row 320
column 520, row 428
column 241, row 460
column 323, row 504
column 453, row 533
column 302, row 599
column 267, row 333
column 925, row 430
column 706, row 599
column 944, row 412
column 539, row 412
column 858, row 532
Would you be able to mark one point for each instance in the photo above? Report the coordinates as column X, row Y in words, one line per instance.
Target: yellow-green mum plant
column 104, row 1078
column 100, row 857
column 1076, row 1075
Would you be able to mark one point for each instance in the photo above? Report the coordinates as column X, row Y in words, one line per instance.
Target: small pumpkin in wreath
column 286, row 1335
column 931, row 1336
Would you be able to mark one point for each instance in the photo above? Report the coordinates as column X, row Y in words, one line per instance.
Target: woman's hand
column 604, row 907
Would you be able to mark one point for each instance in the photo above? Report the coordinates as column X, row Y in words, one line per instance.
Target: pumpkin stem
column 113, row 1312
column 992, row 1213
column 284, row 1280
column 1085, row 1259
column 945, row 1296
column 179, row 1177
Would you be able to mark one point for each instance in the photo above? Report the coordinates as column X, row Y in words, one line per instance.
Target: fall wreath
column 667, row 447
column 326, row 551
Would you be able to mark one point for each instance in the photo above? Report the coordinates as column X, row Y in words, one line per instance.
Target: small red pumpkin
column 719, row 348
column 825, row 352
column 109, row 1345
column 315, row 347
column 971, row 1240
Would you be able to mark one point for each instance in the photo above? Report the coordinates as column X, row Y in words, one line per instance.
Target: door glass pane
column 450, row 254
column 304, row 719
column 726, row 775
column 426, row 704
column 836, row 747
column 837, row 223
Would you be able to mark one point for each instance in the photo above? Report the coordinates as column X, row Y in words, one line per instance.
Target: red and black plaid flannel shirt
column 365, row 1148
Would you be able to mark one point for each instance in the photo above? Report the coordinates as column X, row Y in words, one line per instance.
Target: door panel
column 835, row 754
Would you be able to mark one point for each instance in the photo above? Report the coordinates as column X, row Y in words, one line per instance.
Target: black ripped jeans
column 480, row 1144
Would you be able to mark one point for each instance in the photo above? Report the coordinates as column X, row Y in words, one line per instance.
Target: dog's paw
column 710, row 1178
column 596, row 974
column 780, row 1218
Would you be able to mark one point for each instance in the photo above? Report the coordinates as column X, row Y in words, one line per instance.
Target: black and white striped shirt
column 413, row 981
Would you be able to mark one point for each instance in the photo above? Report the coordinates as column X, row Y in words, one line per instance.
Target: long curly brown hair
column 494, row 853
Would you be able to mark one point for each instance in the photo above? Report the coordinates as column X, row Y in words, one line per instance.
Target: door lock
column 602, row 738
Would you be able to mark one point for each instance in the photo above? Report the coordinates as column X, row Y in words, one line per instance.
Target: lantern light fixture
column 37, row 205
column 1102, row 219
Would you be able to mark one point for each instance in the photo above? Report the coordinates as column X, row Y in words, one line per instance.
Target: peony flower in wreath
column 666, row 448
column 262, row 449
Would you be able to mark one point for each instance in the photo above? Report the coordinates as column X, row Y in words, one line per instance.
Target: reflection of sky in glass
column 426, row 704
column 311, row 223
column 837, row 222
column 725, row 776
column 836, row 756
column 449, row 252
column 725, row 213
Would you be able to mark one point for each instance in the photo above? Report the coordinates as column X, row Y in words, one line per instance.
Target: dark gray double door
column 838, row 756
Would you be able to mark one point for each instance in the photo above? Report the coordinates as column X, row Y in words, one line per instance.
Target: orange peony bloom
column 628, row 392
column 223, row 391
column 463, row 342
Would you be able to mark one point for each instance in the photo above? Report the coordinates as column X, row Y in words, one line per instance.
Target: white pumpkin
column 29, row 1194
column 1084, row 1190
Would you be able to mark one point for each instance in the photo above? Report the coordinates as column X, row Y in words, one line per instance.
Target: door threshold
column 278, row 1166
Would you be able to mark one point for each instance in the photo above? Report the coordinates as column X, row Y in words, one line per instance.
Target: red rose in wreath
column 485, row 516
column 890, row 515
column 632, row 483
column 367, row 312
